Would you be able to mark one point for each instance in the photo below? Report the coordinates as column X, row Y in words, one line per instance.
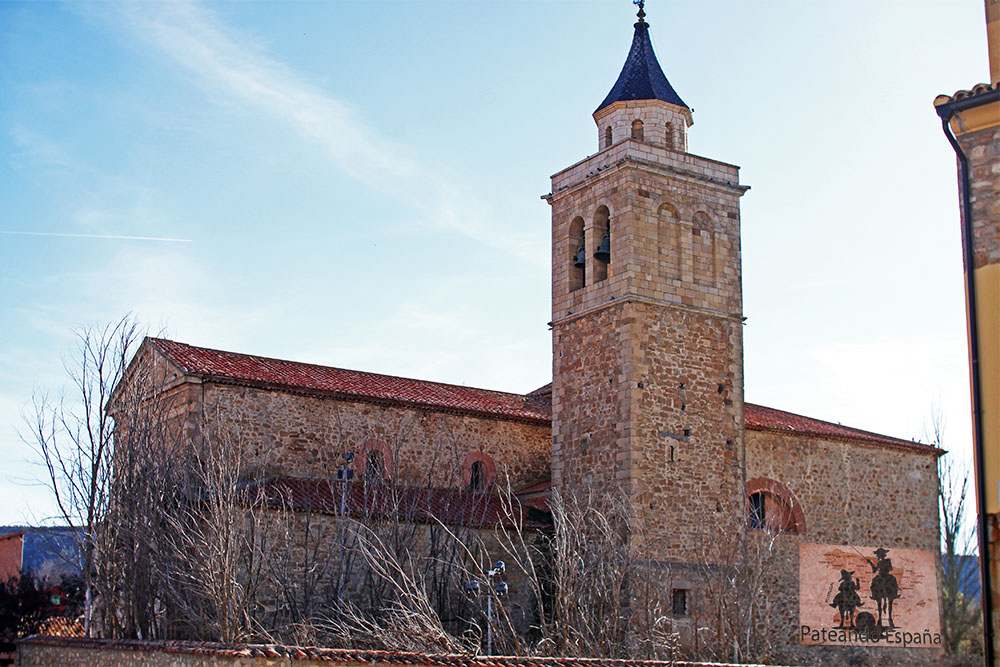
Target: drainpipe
column 947, row 112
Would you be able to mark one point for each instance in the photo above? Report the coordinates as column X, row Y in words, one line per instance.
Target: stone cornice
column 637, row 298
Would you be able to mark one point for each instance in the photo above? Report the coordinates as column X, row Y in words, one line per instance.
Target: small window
column 637, row 129
column 607, row 137
column 669, row 142
column 756, row 519
column 477, row 477
column 479, row 472
column 679, row 602
column 375, row 467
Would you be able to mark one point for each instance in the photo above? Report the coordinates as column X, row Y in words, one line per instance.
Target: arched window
column 578, row 259
column 669, row 139
column 637, row 129
column 771, row 506
column 479, row 472
column 374, row 461
column 477, row 477
column 607, row 137
column 602, row 239
column 756, row 518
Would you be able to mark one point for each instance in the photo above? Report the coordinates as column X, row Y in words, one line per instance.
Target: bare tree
column 74, row 436
column 961, row 617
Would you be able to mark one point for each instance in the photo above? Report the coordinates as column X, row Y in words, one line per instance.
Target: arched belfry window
column 602, row 238
column 578, row 258
column 607, row 137
column 637, row 129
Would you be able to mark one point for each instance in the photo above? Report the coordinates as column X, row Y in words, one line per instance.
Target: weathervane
column 642, row 12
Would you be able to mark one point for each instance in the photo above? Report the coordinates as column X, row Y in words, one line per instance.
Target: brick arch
column 374, row 445
column 776, row 492
column 489, row 469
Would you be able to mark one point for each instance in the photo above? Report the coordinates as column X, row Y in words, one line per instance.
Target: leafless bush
column 737, row 616
column 223, row 540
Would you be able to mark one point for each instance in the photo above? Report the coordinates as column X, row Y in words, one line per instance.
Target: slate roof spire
column 641, row 77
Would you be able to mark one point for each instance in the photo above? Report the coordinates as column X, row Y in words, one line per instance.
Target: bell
column 581, row 258
column 603, row 253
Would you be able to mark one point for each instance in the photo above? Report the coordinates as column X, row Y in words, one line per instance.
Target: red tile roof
column 231, row 367
column 418, row 504
column 246, row 369
column 759, row 418
column 343, row 656
column 60, row 626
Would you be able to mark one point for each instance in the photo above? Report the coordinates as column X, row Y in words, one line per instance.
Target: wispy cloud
column 96, row 236
column 224, row 61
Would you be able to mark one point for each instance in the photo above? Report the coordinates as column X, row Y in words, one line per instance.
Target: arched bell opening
column 578, row 261
column 602, row 235
column 637, row 129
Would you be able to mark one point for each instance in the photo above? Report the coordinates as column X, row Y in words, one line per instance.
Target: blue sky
column 357, row 184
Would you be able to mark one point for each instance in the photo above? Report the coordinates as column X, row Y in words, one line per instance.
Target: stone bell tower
column 647, row 316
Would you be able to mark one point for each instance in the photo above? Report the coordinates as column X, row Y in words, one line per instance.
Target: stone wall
column 307, row 435
column 983, row 150
column 849, row 493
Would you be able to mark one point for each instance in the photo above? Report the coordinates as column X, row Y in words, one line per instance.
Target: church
column 646, row 399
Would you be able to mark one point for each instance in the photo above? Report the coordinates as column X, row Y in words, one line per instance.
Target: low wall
column 79, row 652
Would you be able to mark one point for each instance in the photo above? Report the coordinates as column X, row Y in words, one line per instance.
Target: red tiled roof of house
column 345, row 656
column 60, row 626
column 415, row 504
column 237, row 368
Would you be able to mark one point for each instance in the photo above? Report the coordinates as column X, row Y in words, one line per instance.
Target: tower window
column 578, row 261
column 637, row 129
column 669, row 139
column 756, row 519
column 679, row 602
column 607, row 137
column 602, row 237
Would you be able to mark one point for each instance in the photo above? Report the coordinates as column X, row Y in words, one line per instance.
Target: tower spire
column 642, row 77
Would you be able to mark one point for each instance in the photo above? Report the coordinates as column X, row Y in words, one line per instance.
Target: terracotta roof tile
column 760, row 418
column 348, row 656
column 534, row 407
column 418, row 504
column 59, row 626
column 263, row 371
